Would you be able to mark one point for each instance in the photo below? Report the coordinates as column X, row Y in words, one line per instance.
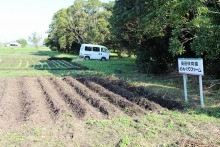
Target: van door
column 96, row 53
column 87, row 52
column 105, row 52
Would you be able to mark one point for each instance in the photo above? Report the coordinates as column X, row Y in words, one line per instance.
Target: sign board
column 192, row 66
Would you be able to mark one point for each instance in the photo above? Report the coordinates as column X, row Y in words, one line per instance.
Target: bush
column 154, row 57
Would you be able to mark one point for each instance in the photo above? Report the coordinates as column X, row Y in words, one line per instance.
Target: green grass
column 32, row 61
column 126, row 65
column 154, row 129
column 169, row 86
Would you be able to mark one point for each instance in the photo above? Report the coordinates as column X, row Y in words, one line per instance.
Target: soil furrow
column 167, row 103
column 51, row 104
column 54, row 101
column 131, row 96
column 71, row 99
column 93, row 98
column 24, row 102
column 127, row 106
column 34, row 107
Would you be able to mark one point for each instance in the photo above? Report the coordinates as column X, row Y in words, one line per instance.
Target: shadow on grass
column 53, row 64
column 46, row 53
column 213, row 112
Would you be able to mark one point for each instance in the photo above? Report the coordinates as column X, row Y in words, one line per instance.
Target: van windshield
column 105, row 50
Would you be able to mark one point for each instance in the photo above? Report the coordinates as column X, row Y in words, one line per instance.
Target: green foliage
column 189, row 28
column 23, row 42
column 124, row 142
column 83, row 22
column 35, row 39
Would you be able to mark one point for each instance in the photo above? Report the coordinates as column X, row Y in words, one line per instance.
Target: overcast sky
column 20, row 18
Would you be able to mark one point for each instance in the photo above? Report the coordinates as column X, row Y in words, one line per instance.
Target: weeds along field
column 46, row 100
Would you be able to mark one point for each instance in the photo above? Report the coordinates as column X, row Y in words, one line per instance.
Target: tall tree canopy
column 83, row 22
column 162, row 30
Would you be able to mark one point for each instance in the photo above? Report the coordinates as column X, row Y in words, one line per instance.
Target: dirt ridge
column 141, row 91
column 50, row 103
column 93, row 98
column 131, row 96
column 74, row 103
column 125, row 105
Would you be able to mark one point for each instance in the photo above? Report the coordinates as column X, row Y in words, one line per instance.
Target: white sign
column 192, row 66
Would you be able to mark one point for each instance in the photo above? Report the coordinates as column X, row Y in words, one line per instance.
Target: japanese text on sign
column 190, row 66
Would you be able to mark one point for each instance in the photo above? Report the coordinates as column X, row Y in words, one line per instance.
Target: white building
column 14, row 44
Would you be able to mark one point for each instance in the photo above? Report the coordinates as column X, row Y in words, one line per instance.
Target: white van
column 91, row 51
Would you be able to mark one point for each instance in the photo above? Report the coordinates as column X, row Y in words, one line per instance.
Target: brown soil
column 2, row 88
column 29, row 100
column 32, row 100
column 94, row 99
column 76, row 102
column 67, row 107
column 129, row 95
column 10, row 108
column 192, row 143
column 135, row 93
column 125, row 105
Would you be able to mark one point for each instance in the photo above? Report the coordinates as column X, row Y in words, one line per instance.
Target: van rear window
column 96, row 49
column 87, row 48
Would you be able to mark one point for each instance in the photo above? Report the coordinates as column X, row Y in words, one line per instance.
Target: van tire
column 103, row 59
column 86, row 58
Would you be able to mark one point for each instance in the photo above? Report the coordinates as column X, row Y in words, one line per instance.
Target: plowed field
column 44, row 103
column 45, row 100
column 48, row 101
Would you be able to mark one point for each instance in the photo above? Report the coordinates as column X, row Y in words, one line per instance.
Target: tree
column 194, row 26
column 23, row 42
column 83, row 22
column 35, row 39
column 162, row 30
column 123, row 26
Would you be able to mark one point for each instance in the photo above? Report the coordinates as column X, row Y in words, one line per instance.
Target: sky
column 20, row 18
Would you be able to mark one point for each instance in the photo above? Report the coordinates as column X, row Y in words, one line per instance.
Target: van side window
column 96, row 49
column 87, row 48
